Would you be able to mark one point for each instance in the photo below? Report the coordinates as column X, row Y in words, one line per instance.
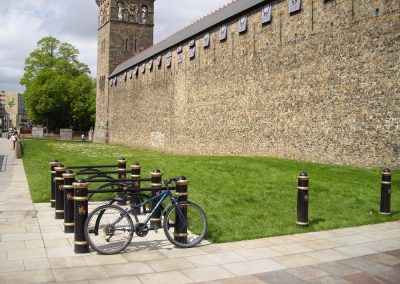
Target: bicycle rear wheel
column 196, row 225
column 109, row 229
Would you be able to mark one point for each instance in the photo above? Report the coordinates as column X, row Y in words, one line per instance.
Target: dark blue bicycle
column 109, row 229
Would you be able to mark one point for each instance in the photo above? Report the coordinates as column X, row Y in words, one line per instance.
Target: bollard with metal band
column 69, row 179
column 180, row 230
column 385, row 192
column 53, row 164
column 302, row 199
column 156, row 186
column 122, row 175
column 80, row 215
column 59, row 193
column 136, row 167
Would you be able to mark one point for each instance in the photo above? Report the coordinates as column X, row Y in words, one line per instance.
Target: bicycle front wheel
column 187, row 226
column 109, row 229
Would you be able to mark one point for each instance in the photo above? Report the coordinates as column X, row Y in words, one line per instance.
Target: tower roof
column 224, row 13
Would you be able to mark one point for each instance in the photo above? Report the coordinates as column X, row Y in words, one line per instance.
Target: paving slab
column 210, row 273
column 253, row 267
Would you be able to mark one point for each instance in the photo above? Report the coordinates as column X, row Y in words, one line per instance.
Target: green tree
column 59, row 91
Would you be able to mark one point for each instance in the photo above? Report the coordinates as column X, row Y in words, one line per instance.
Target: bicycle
column 109, row 229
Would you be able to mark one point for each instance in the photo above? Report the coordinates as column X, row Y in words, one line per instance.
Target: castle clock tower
column 125, row 29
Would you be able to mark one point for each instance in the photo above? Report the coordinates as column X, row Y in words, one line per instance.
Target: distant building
column 12, row 110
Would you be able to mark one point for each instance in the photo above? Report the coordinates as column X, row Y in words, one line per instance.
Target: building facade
column 313, row 80
column 12, row 110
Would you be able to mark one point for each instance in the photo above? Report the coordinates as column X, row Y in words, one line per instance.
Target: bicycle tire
column 104, row 237
column 196, row 227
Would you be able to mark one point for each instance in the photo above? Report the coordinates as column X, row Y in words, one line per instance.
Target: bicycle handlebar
column 169, row 181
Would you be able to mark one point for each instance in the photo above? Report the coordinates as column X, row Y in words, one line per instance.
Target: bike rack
column 71, row 196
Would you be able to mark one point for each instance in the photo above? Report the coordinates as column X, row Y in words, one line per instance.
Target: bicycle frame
column 162, row 196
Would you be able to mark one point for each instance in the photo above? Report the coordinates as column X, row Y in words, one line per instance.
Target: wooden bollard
column 302, row 200
column 136, row 168
column 386, row 185
column 59, row 193
column 156, row 186
column 69, row 179
column 121, row 175
column 80, row 215
column 180, row 230
column 53, row 164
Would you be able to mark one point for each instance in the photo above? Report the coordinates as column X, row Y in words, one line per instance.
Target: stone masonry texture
column 321, row 85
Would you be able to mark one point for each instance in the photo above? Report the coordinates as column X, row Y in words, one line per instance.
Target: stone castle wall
column 320, row 85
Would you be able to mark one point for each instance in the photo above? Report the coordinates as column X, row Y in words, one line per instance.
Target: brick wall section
column 321, row 85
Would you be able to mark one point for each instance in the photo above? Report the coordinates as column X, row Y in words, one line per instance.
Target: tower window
column 103, row 46
column 127, row 44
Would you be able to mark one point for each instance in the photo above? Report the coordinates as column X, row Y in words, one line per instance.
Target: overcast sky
column 24, row 22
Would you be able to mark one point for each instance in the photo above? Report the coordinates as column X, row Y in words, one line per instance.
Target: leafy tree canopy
column 59, row 91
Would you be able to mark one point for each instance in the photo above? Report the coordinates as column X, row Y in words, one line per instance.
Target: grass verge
column 243, row 197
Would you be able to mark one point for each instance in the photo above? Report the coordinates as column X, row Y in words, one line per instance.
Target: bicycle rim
column 103, row 234
column 196, row 228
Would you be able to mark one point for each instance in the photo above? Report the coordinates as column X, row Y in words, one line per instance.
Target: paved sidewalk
column 34, row 249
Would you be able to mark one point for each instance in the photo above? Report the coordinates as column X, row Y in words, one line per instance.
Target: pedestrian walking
column 14, row 139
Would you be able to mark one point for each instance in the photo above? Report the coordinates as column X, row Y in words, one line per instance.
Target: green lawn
column 243, row 197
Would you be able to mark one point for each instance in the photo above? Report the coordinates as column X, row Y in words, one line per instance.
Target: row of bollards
column 303, row 196
column 70, row 198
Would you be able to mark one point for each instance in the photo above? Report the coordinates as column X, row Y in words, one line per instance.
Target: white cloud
column 24, row 22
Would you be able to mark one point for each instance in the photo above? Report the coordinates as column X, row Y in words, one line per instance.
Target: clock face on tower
column 132, row 12
column 129, row 11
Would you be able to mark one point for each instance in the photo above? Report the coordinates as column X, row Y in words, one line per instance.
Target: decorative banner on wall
column 223, row 33
column 169, row 59
column 294, row 6
column 143, row 68
column 150, row 65
column 125, row 76
column 206, row 40
column 131, row 74
column 192, row 49
column 112, row 82
column 266, row 14
column 192, row 52
column 180, row 54
column 242, row 24
column 115, row 81
column 135, row 70
column 158, row 61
